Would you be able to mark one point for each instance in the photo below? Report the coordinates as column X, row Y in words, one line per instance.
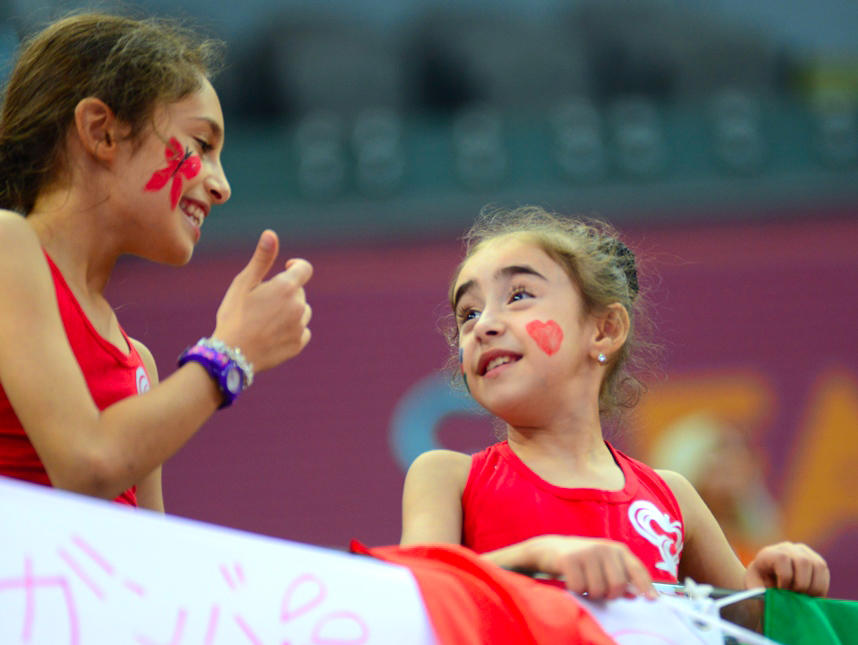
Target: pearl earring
column 602, row 358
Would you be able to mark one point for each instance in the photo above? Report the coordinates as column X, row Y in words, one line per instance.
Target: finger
column 783, row 571
column 616, row 576
column 821, row 579
column 576, row 581
column 299, row 270
column 639, row 577
column 260, row 263
column 308, row 314
column 802, row 576
column 597, row 586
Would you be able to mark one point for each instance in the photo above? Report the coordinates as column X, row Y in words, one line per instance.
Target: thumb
column 756, row 577
column 263, row 258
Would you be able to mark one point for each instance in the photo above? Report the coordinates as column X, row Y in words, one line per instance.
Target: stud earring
column 602, row 358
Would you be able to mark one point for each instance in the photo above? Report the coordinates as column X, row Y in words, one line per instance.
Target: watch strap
column 221, row 367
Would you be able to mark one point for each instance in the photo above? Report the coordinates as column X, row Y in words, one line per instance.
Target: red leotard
column 110, row 373
column 504, row 502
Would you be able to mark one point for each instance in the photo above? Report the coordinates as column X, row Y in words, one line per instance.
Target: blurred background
column 720, row 137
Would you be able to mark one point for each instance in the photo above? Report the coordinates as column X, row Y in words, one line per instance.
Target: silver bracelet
column 235, row 354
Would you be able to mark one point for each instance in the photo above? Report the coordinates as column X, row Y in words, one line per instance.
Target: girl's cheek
column 462, row 369
column 547, row 335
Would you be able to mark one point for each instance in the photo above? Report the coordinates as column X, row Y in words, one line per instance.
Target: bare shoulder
column 689, row 500
column 431, row 497
column 24, row 277
column 7, row 218
column 681, row 488
column 16, row 235
column 447, row 465
column 23, row 268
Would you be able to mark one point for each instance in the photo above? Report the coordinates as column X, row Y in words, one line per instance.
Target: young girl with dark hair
column 110, row 143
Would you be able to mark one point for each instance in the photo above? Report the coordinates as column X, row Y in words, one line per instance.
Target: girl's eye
column 466, row 315
column 205, row 146
column 519, row 293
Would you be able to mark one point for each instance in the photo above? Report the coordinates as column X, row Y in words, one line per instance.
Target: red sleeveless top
column 110, row 374
column 504, row 502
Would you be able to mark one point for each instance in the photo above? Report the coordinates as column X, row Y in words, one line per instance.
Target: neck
column 574, row 437
column 74, row 233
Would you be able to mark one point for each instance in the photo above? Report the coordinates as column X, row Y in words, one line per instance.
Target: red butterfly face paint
column 179, row 165
column 547, row 335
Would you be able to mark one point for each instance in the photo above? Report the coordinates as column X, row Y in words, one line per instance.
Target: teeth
column 194, row 212
column 500, row 360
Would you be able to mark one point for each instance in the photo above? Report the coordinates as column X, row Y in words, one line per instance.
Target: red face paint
column 547, row 335
column 179, row 164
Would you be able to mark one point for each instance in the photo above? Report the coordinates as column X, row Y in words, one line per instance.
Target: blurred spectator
column 720, row 461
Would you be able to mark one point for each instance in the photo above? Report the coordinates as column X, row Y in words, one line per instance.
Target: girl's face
column 174, row 177
column 524, row 338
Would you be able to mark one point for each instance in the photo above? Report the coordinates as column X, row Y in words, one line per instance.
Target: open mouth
column 495, row 360
column 193, row 212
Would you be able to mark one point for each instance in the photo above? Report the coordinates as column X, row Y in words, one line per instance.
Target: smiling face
column 169, row 180
column 525, row 339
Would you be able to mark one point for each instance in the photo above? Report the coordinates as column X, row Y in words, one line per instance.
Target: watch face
column 233, row 380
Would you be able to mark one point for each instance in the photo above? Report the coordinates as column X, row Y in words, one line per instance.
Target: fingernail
column 266, row 243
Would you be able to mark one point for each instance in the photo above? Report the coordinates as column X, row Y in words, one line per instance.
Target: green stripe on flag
column 797, row 619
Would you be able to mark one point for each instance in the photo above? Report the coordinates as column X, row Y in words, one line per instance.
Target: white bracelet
column 235, row 354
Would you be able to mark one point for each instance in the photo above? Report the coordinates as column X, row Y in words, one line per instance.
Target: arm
column 599, row 567
column 706, row 555
column 432, row 498
column 708, row 558
column 149, row 492
column 119, row 446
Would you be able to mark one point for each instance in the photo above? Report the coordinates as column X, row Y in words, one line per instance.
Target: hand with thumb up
column 266, row 319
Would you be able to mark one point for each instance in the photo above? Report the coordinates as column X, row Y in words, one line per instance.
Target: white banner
column 80, row 571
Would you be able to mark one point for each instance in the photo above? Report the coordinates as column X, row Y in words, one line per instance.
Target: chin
column 182, row 261
column 523, row 409
column 512, row 410
column 176, row 257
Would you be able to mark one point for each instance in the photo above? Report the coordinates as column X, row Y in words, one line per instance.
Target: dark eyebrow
column 510, row 271
column 506, row 272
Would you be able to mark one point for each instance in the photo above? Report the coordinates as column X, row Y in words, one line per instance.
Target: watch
column 225, row 371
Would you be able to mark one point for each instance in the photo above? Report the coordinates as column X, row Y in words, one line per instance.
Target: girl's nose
column 489, row 324
column 218, row 186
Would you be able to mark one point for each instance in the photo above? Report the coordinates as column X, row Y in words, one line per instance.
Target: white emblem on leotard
column 142, row 381
column 658, row 529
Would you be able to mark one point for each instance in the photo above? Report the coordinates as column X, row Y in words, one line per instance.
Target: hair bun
column 627, row 262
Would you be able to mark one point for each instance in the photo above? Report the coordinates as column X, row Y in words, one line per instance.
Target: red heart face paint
column 179, row 165
column 547, row 335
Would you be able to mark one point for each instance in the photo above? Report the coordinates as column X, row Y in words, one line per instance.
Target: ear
column 612, row 330
column 96, row 128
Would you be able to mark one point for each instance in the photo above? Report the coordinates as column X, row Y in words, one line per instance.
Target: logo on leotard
column 142, row 381
column 658, row 529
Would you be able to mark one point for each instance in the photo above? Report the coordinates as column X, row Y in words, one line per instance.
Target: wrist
column 234, row 353
column 227, row 366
